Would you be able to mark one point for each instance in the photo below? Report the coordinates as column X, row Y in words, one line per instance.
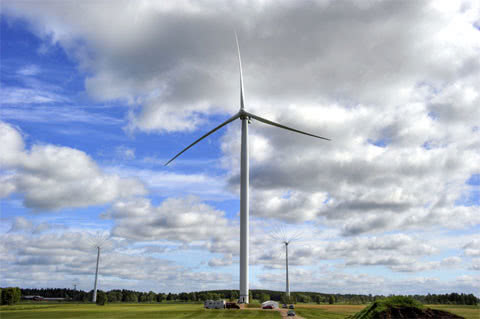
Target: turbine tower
column 98, row 241
column 287, row 288
column 246, row 118
column 94, row 299
column 286, row 237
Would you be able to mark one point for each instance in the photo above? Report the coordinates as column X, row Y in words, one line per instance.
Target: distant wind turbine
column 284, row 236
column 98, row 242
column 246, row 118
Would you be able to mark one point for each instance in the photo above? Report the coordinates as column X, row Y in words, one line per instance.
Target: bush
column 10, row 295
column 101, row 298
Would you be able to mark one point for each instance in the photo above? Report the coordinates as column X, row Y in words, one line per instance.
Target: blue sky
column 95, row 98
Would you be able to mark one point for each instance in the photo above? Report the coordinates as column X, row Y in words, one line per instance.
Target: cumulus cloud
column 52, row 177
column 226, row 260
column 382, row 79
column 475, row 264
column 49, row 258
column 176, row 219
column 472, row 249
column 399, row 252
column 21, row 224
column 334, row 281
column 393, row 84
column 177, row 60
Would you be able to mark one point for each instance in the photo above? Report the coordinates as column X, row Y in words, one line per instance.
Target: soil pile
column 398, row 307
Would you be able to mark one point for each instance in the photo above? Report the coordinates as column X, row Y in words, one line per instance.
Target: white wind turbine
column 286, row 237
column 245, row 117
column 98, row 241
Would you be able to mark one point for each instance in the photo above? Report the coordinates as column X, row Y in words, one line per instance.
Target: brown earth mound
column 414, row 313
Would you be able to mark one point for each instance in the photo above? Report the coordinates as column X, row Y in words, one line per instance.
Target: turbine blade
column 242, row 98
column 233, row 118
column 261, row 119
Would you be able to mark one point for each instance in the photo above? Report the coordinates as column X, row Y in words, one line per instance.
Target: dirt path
column 283, row 312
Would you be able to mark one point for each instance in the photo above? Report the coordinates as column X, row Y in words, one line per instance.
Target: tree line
column 259, row 295
column 10, row 295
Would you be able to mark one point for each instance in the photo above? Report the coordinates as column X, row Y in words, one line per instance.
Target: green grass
column 146, row 311
column 343, row 311
column 468, row 312
column 318, row 314
column 327, row 311
column 120, row 311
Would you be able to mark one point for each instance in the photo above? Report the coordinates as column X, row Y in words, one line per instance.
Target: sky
column 97, row 95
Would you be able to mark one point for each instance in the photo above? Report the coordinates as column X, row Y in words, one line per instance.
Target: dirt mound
column 399, row 307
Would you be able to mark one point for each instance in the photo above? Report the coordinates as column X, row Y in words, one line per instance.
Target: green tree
column 11, row 295
column 161, row 297
column 130, row 296
column 142, row 297
column 114, row 296
column 264, row 297
column 331, row 299
column 151, row 296
column 288, row 299
column 101, row 298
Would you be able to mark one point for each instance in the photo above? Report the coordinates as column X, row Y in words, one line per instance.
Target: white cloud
column 226, row 260
column 29, row 70
column 172, row 183
column 373, row 54
column 18, row 95
column 472, row 249
column 175, row 219
column 51, row 177
column 44, row 260
column 386, row 72
column 21, row 223
column 125, row 153
column 394, row 84
column 475, row 264
column 21, row 110
column 334, row 281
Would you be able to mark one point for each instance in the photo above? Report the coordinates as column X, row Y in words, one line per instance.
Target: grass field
column 341, row 311
column 469, row 312
column 327, row 311
column 112, row 311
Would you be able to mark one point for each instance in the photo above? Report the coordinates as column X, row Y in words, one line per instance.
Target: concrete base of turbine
column 243, row 299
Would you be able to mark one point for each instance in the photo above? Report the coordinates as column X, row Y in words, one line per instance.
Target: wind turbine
column 246, row 118
column 98, row 241
column 285, row 237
